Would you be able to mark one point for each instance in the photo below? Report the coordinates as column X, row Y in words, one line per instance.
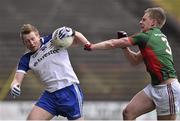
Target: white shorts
column 166, row 97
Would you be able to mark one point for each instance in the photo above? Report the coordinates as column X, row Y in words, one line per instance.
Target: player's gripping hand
column 121, row 34
column 87, row 47
column 15, row 90
column 65, row 32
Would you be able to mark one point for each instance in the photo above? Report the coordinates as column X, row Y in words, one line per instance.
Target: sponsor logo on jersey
column 43, row 48
column 34, row 55
column 45, row 55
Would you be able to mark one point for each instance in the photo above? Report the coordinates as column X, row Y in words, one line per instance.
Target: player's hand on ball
column 87, row 47
column 15, row 90
column 121, row 34
column 63, row 37
column 65, row 32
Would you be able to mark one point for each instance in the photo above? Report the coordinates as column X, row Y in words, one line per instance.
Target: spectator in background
column 62, row 95
column 163, row 94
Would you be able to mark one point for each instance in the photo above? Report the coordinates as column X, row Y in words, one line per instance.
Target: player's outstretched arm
column 110, row 44
column 16, row 84
column 122, row 41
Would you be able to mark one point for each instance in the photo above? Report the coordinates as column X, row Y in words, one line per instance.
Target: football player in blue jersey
column 62, row 95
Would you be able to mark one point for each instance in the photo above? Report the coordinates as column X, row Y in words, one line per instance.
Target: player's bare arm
column 18, row 77
column 79, row 38
column 112, row 43
column 133, row 57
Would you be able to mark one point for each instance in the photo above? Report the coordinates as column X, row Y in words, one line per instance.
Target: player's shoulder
column 139, row 35
column 26, row 55
column 154, row 30
column 46, row 39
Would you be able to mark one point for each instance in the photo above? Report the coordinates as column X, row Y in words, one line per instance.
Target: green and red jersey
column 156, row 54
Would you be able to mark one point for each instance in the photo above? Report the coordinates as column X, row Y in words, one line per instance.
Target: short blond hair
column 158, row 14
column 26, row 29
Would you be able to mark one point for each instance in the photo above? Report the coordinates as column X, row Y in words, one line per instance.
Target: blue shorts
column 66, row 102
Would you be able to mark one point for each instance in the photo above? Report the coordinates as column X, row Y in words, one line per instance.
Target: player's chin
column 33, row 49
column 143, row 29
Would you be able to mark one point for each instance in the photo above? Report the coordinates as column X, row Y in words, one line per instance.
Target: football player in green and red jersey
column 163, row 93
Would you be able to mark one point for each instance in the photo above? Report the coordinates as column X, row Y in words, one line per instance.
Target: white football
column 63, row 42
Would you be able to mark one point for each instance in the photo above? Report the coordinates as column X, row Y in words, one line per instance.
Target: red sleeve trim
column 131, row 41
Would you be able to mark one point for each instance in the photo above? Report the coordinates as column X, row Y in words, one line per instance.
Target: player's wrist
column 87, row 46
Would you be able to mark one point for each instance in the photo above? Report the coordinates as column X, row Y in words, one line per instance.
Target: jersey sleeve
column 23, row 65
column 139, row 39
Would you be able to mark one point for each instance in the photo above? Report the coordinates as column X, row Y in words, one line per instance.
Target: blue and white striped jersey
column 50, row 64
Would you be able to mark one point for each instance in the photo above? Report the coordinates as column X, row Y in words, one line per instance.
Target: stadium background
column 104, row 75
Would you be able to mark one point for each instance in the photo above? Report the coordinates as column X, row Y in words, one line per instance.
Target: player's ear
column 154, row 22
